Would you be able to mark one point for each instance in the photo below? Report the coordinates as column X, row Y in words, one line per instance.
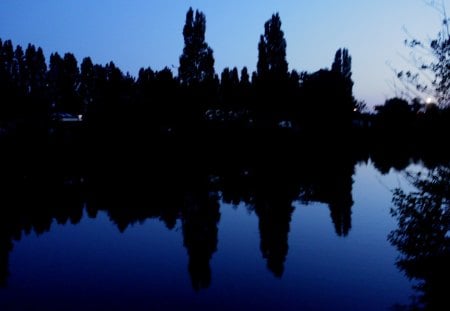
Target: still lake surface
column 92, row 265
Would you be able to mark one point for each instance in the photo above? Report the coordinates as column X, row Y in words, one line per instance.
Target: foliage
column 197, row 60
column 105, row 96
column 272, row 62
column 431, row 62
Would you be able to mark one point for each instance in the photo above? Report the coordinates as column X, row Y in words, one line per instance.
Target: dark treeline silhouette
column 422, row 237
column 38, row 97
column 412, row 121
column 170, row 147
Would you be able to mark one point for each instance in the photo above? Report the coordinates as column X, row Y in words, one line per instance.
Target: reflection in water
column 422, row 236
column 186, row 188
column 274, row 228
column 200, row 219
column 29, row 205
column 181, row 189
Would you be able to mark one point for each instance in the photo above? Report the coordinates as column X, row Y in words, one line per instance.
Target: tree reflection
column 175, row 188
column 274, row 223
column 199, row 221
column 422, row 236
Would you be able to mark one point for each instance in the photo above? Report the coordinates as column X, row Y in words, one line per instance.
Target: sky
column 148, row 33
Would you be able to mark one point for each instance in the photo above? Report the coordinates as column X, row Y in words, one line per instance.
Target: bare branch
column 429, row 62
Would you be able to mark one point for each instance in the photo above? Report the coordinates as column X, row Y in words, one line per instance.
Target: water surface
column 303, row 255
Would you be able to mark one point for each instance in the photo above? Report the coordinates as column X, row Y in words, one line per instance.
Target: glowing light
column 429, row 100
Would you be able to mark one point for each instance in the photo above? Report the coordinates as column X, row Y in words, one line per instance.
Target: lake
column 232, row 242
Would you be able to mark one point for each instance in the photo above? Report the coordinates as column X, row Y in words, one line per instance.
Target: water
column 231, row 257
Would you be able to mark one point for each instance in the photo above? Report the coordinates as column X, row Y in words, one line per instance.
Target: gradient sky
column 142, row 33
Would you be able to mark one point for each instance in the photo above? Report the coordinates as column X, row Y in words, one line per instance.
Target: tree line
column 115, row 104
column 33, row 91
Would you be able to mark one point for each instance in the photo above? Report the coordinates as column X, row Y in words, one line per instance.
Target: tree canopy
column 272, row 62
column 197, row 60
column 429, row 73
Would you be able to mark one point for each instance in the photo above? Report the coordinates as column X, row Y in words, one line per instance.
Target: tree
column 6, row 70
column 6, row 83
column 197, row 60
column 87, row 82
column 337, row 64
column 36, row 69
column 54, row 78
column 272, row 62
column 271, row 80
column 64, row 80
column 19, row 71
column 395, row 115
column 35, row 83
column 328, row 96
column 342, row 63
column 430, row 73
column 71, row 82
column 245, row 78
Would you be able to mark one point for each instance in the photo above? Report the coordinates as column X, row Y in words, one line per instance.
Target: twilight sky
column 142, row 33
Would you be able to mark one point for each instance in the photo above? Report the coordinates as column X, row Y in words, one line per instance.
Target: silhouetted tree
column 272, row 74
column 272, row 62
column 343, row 65
column 54, row 77
column 64, row 81
column 87, row 84
column 167, row 102
column 23, row 89
column 429, row 61
column 197, row 60
column 71, row 76
column 109, row 114
column 36, row 90
column 229, row 93
column 245, row 78
column 327, row 99
column 196, row 73
column 6, row 83
column 36, row 69
column 245, row 94
column 395, row 116
column 158, row 105
column 19, row 72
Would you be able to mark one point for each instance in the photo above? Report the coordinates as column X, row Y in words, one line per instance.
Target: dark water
column 231, row 259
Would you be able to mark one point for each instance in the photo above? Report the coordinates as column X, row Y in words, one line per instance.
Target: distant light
column 429, row 100
column 80, row 117
column 355, row 109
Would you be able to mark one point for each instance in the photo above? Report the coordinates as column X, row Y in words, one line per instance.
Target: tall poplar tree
column 197, row 60
column 272, row 62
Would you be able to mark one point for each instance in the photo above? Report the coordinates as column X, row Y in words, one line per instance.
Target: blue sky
column 142, row 33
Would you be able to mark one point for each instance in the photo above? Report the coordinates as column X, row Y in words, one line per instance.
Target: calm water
column 236, row 257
